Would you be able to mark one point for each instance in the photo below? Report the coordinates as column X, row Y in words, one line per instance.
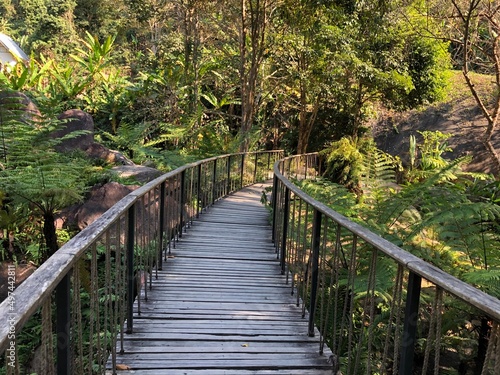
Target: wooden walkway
column 221, row 306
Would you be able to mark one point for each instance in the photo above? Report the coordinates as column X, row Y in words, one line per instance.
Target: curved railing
column 379, row 308
column 86, row 291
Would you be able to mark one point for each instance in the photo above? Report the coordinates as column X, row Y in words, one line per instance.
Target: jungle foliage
column 205, row 77
column 167, row 82
column 430, row 208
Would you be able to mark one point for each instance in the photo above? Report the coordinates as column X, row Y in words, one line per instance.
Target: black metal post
column 63, row 319
column 182, row 202
column 274, row 196
column 214, row 182
column 162, row 225
column 410, row 324
column 242, row 170
column 130, row 269
column 286, row 214
column 228, row 175
column 199, row 192
column 316, row 240
column 255, row 168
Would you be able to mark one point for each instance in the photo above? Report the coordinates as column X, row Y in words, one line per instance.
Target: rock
column 98, row 151
column 104, row 197
column 75, row 120
column 101, row 199
column 15, row 100
column 22, row 272
column 459, row 117
column 140, row 173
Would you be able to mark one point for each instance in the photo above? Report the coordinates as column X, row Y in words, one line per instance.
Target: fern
column 335, row 196
column 487, row 280
column 466, row 228
column 343, row 161
column 34, row 176
column 377, row 180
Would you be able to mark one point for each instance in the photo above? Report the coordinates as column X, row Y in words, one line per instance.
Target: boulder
column 75, row 120
column 98, row 151
column 100, row 200
column 139, row 173
column 17, row 101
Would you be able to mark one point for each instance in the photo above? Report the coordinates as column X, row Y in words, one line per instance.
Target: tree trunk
column 191, row 52
column 244, row 84
column 306, row 124
column 303, row 128
column 50, row 235
column 253, row 24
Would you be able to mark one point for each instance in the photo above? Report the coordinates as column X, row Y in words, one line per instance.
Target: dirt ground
column 459, row 116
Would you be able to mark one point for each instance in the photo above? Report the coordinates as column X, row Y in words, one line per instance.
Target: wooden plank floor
column 221, row 306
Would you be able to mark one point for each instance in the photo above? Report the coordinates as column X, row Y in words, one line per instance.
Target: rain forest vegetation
column 210, row 76
column 171, row 81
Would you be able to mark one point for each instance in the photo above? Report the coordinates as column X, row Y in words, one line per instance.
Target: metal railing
column 380, row 309
column 81, row 301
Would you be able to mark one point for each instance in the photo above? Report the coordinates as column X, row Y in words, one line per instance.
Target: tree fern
column 335, row 196
column 137, row 141
column 377, row 180
column 488, row 280
column 343, row 161
column 33, row 175
column 468, row 228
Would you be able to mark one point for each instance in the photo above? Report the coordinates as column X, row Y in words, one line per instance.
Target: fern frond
column 487, row 280
column 335, row 196
column 378, row 168
column 466, row 228
column 384, row 275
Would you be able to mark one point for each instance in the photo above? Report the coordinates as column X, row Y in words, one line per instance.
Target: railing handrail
column 30, row 295
column 483, row 301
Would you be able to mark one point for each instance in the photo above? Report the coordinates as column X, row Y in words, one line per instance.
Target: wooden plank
column 149, row 346
column 223, row 371
column 164, row 362
column 186, row 315
column 220, row 304
column 200, row 324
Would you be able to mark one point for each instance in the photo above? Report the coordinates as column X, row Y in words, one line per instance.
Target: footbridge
column 224, row 266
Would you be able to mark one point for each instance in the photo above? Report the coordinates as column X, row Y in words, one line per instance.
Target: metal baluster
column 284, row 238
column 130, row 268
column 63, row 329
column 316, row 241
column 410, row 324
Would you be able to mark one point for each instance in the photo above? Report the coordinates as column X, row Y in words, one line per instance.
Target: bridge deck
column 221, row 306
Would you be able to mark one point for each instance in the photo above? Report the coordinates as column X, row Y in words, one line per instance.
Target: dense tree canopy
column 213, row 76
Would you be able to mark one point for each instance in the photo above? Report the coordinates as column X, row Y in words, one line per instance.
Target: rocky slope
column 457, row 115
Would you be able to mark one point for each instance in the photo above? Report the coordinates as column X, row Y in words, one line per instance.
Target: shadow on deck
column 220, row 305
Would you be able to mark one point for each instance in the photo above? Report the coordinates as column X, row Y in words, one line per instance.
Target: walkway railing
column 380, row 309
column 86, row 291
